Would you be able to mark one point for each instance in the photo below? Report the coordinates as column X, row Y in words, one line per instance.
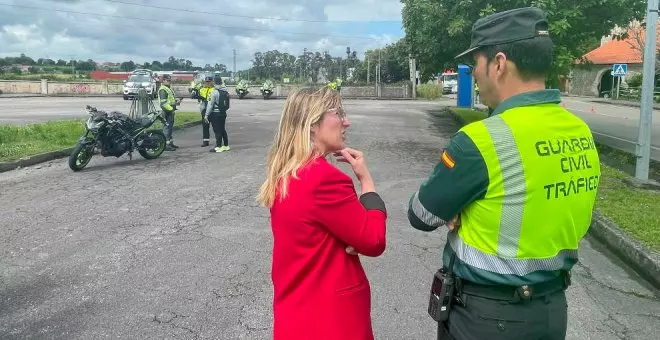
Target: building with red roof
column 594, row 78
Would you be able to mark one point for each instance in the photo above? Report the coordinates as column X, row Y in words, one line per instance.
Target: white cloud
column 142, row 33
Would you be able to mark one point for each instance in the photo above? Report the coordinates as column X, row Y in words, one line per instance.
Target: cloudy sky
column 203, row 31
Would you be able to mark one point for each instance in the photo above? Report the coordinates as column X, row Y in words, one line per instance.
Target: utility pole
column 233, row 75
column 73, row 66
column 366, row 56
column 379, row 90
column 646, row 109
column 413, row 75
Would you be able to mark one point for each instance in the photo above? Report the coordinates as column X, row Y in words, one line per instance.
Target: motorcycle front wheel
column 80, row 156
column 156, row 140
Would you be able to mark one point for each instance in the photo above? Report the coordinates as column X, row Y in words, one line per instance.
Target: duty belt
column 514, row 293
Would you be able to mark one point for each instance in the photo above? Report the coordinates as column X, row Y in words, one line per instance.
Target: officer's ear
column 501, row 65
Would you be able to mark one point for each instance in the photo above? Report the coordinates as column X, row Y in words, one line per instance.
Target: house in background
column 596, row 79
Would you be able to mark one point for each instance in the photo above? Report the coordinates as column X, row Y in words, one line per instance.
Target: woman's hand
column 351, row 251
column 359, row 165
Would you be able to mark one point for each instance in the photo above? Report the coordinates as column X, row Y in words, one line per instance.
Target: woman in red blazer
column 319, row 224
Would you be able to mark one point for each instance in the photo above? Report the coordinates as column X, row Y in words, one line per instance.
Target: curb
column 641, row 259
column 614, row 103
column 49, row 156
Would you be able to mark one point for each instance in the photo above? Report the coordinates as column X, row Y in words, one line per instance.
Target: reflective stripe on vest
column 543, row 171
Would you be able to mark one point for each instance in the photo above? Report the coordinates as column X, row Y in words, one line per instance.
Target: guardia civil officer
column 216, row 114
column 168, row 103
column 516, row 191
column 204, row 96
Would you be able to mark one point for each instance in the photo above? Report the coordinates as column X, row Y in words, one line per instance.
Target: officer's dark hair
column 532, row 57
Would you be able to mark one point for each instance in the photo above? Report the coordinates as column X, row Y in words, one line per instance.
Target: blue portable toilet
column 465, row 86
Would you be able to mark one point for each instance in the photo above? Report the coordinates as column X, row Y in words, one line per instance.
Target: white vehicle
column 136, row 80
column 449, row 80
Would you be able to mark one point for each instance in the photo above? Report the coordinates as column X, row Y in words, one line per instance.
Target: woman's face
column 329, row 135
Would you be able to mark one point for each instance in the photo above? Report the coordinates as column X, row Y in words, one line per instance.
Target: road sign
column 620, row 70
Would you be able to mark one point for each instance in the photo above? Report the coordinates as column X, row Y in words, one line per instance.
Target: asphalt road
column 613, row 125
column 177, row 248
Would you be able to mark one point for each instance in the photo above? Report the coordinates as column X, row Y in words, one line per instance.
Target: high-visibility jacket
column 166, row 98
column 522, row 221
column 543, row 171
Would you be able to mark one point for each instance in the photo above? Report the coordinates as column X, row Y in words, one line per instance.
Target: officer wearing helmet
column 204, row 96
column 515, row 211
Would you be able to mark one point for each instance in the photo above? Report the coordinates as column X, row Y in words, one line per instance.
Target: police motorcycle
column 114, row 134
column 267, row 89
column 242, row 89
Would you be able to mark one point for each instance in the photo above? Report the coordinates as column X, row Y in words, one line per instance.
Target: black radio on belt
column 442, row 292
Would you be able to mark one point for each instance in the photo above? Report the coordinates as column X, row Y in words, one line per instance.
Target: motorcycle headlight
column 93, row 125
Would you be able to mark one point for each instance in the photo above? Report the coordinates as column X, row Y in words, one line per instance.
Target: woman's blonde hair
column 292, row 146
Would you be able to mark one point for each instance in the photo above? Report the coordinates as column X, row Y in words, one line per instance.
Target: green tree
column 437, row 30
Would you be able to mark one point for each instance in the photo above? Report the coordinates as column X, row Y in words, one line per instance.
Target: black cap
column 507, row 27
column 167, row 77
column 217, row 79
column 208, row 78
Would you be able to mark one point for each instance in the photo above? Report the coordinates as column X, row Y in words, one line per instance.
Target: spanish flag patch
column 447, row 160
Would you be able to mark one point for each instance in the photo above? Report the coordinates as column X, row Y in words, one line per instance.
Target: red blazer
column 320, row 291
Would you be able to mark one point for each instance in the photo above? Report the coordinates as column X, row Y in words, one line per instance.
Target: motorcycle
column 242, row 89
column 114, row 134
column 267, row 89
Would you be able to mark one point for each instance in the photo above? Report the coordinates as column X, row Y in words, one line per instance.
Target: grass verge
column 634, row 210
column 19, row 141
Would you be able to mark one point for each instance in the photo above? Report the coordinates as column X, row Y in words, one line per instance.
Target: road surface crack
column 170, row 318
column 589, row 275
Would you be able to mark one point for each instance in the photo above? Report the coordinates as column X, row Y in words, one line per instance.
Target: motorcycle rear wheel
column 158, row 137
column 80, row 157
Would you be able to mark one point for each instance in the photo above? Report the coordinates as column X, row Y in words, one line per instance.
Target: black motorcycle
column 114, row 134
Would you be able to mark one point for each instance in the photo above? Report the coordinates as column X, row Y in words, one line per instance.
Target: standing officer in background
column 168, row 104
column 516, row 191
column 204, row 96
column 216, row 114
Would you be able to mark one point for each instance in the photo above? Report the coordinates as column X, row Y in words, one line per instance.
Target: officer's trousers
column 167, row 128
column 540, row 318
column 206, row 134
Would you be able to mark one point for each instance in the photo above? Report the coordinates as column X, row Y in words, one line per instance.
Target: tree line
column 310, row 65
column 437, row 30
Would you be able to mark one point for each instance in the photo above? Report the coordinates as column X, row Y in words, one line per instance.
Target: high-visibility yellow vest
column 543, row 170
column 166, row 103
column 205, row 93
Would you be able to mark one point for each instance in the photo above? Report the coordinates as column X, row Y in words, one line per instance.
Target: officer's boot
column 169, row 146
column 205, row 143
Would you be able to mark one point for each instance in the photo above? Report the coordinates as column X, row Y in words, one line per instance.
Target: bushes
column 429, row 91
column 635, row 81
